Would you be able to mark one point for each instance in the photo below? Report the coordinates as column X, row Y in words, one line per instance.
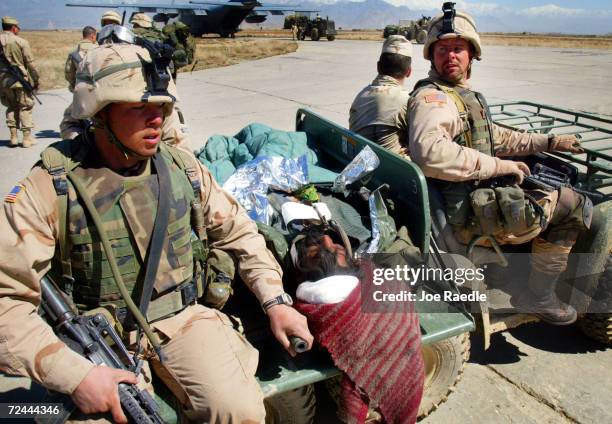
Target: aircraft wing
column 257, row 6
column 146, row 7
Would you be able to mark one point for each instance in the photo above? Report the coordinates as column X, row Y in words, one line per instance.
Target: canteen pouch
column 512, row 205
column 486, row 211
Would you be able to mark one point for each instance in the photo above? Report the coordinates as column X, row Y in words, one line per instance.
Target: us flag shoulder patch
column 12, row 196
column 438, row 98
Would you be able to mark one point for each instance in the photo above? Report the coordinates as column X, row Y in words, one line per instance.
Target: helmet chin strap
column 114, row 140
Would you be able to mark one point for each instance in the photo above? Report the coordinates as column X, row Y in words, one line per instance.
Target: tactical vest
column 127, row 207
column 474, row 113
column 151, row 34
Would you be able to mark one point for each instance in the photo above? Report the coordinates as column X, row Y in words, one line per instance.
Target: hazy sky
column 565, row 16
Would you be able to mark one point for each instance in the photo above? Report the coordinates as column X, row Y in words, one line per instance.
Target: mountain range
column 368, row 14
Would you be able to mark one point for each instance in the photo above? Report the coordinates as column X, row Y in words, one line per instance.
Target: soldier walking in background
column 379, row 112
column 456, row 144
column 294, row 32
column 178, row 35
column 18, row 100
column 74, row 58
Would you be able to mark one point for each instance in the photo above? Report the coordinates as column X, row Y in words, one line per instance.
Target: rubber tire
column 599, row 326
column 444, row 365
column 331, row 37
column 409, row 34
column 314, row 34
column 293, row 407
column 421, row 36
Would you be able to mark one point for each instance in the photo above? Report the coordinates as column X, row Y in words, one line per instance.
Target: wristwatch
column 551, row 138
column 282, row 299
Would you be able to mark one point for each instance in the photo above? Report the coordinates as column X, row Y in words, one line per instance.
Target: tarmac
column 533, row 374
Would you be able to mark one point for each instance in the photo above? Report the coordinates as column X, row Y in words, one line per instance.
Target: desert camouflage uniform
column 19, row 104
column 209, row 366
column 434, row 123
column 72, row 62
column 379, row 113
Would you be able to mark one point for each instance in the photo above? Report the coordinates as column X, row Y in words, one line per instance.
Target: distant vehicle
column 203, row 16
column 415, row 30
column 313, row 28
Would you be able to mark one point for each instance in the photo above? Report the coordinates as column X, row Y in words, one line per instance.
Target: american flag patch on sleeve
column 438, row 97
column 14, row 193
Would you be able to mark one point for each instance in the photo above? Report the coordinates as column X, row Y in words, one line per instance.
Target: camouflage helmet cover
column 464, row 27
column 115, row 73
column 110, row 16
column 142, row 20
column 9, row 20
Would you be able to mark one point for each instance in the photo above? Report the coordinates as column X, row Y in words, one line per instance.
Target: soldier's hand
column 509, row 167
column 565, row 143
column 286, row 321
column 98, row 392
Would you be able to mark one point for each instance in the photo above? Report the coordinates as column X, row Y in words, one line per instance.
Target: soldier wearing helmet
column 380, row 110
column 142, row 26
column 18, row 101
column 142, row 190
column 110, row 17
column 179, row 36
column 456, row 144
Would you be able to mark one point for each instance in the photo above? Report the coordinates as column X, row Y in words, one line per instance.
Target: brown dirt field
column 526, row 40
column 50, row 49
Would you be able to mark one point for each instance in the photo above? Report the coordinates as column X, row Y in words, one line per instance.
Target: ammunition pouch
column 220, row 273
column 180, row 59
column 486, row 210
column 456, row 201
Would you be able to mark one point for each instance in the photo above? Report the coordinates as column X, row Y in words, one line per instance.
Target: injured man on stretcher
column 323, row 236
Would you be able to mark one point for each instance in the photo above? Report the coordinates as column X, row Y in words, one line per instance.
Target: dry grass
column 50, row 49
column 525, row 40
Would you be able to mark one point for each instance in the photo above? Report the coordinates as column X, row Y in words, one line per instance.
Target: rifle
column 549, row 179
column 15, row 71
column 86, row 336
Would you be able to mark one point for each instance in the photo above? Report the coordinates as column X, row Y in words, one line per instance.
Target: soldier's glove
column 564, row 143
column 509, row 167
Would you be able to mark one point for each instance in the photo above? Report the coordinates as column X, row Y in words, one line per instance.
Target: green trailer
column 288, row 382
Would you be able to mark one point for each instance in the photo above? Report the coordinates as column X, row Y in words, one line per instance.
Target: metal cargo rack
column 594, row 131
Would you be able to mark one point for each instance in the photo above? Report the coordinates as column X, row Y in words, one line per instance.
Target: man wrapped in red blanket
column 377, row 348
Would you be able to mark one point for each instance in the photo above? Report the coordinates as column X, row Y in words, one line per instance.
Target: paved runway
column 533, row 374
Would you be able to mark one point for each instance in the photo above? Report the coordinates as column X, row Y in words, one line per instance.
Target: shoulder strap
column 59, row 159
column 459, row 103
column 185, row 162
column 76, row 57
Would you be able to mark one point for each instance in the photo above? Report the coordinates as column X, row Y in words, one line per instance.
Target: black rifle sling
column 159, row 231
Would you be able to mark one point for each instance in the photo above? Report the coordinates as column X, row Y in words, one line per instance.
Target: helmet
column 9, row 20
column 142, row 20
column 111, row 16
column 452, row 24
column 397, row 44
column 115, row 73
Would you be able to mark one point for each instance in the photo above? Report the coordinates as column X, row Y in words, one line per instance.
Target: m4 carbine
column 86, row 336
column 7, row 68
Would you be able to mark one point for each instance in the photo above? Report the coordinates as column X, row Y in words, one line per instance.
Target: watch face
column 287, row 299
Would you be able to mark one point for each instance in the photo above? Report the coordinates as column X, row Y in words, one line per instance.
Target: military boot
column 27, row 138
column 14, row 139
column 541, row 300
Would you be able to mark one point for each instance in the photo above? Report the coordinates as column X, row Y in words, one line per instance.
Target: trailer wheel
column 331, row 37
column 421, row 36
column 599, row 326
column 444, row 365
column 314, row 34
column 293, row 407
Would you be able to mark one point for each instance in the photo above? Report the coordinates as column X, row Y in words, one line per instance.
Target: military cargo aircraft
column 203, row 16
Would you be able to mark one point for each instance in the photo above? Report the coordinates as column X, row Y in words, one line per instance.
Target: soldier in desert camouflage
column 19, row 103
column 124, row 168
column 454, row 141
column 380, row 110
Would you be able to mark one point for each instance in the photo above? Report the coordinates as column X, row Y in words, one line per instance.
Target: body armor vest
column 474, row 113
column 127, row 207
